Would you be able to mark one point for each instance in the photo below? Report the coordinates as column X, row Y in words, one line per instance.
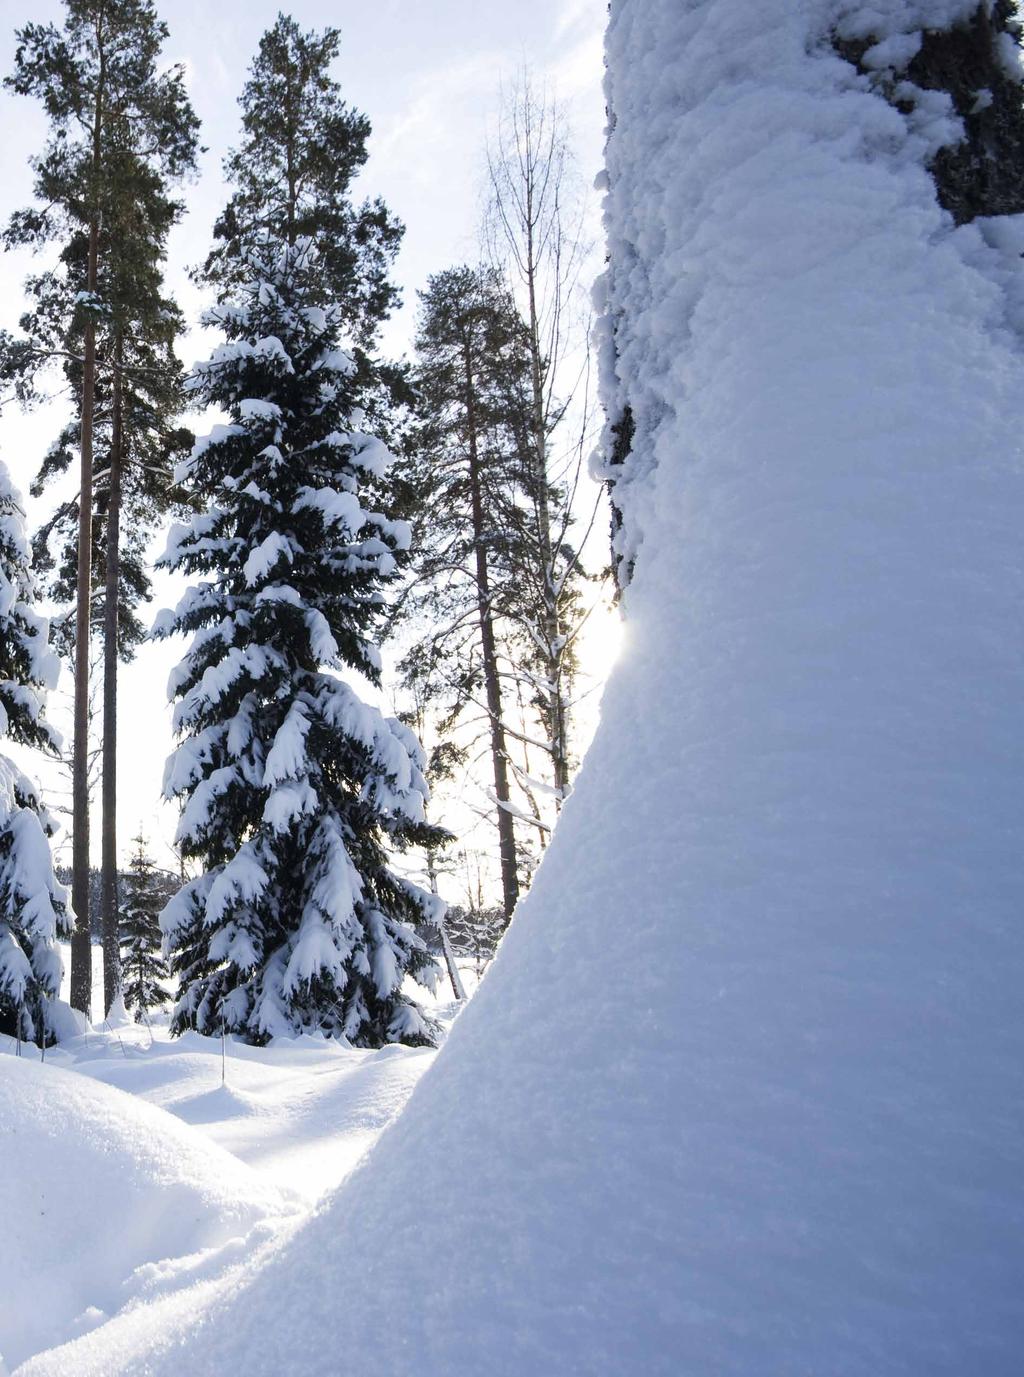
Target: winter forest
column 511, row 682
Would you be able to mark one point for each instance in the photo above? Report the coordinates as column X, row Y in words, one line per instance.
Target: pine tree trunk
column 108, row 863
column 81, row 939
column 492, row 684
column 290, row 172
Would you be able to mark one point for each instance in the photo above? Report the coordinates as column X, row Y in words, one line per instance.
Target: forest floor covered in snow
column 167, row 1161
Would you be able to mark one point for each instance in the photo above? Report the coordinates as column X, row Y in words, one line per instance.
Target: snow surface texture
column 287, row 1124
column 97, row 1188
column 742, row 1092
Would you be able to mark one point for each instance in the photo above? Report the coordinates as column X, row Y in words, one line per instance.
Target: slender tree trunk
column 81, row 940
column 458, row 989
column 290, row 179
column 550, row 629
column 492, row 684
column 290, row 159
column 530, row 796
column 526, row 172
column 108, row 863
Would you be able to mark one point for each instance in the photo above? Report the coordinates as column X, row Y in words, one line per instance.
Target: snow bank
column 98, row 1188
column 742, row 1091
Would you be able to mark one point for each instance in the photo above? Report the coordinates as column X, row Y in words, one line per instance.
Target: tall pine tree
column 142, row 965
column 463, row 469
column 292, row 788
column 121, row 129
column 136, row 440
column 33, row 905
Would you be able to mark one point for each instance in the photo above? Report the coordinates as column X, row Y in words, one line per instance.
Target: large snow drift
column 742, row 1092
column 96, row 1189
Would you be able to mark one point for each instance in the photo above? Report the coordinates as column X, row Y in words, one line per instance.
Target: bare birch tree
column 535, row 234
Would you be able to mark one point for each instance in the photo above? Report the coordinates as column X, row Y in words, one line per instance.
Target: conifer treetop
column 143, row 968
column 113, row 46
column 302, row 146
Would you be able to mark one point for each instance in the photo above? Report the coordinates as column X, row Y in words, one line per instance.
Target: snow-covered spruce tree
column 292, row 787
column 33, row 905
column 142, row 966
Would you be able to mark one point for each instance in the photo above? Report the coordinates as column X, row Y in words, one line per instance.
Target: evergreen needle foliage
column 470, row 484
column 292, row 788
column 33, row 905
column 122, row 131
column 142, row 967
column 302, row 145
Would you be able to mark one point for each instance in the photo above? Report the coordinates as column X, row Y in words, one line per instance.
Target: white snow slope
column 97, row 1189
column 108, row 1202
column 742, row 1092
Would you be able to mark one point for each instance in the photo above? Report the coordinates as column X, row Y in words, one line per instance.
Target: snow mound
column 97, row 1189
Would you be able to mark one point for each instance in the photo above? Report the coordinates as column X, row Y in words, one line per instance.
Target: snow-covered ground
column 105, row 1199
column 137, row 1166
column 742, row 1092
